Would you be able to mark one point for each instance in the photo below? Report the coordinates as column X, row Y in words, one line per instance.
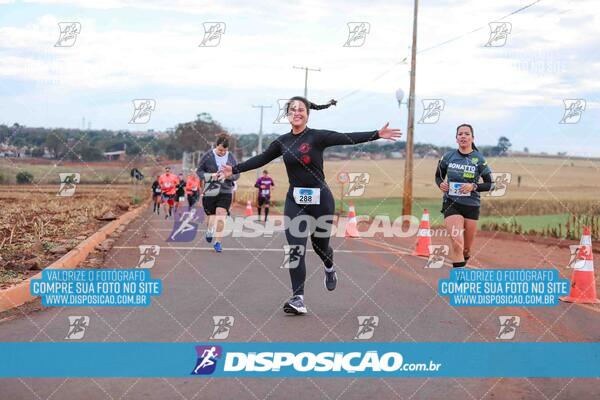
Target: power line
column 306, row 69
column 434, row 47
column 260, row 131
column 476, row 29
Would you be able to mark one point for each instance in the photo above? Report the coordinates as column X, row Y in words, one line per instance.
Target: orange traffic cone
column 583, row 281
column 423, row 236
column 248, row 212
column 351, row 228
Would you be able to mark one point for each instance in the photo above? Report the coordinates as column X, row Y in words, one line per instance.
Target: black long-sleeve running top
column 464, row 168
column 303, row 154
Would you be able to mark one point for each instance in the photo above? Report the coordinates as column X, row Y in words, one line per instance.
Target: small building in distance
column 118, row 155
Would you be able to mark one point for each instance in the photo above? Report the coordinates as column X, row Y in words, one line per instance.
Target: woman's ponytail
column 309, row 104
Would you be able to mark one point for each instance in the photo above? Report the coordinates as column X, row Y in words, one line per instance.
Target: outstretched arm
column 271, row 153
column 332, row 138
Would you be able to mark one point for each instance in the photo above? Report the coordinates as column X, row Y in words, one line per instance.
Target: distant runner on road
column 192, row 189
column 168, row 185
column 218, row 191
column 156, row 191
column 180, row 192
column 265, row 185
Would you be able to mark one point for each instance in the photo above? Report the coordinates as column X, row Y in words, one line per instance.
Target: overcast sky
column 150, row 50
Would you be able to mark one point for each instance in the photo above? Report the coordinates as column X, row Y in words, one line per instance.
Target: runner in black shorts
column 308, row 196
column 463, row 168
column 265, row 185
column 156, row 195
column 180, row 192
column 168, row 185
column 218, row 193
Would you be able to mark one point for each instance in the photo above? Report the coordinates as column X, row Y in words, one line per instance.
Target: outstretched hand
column 226, row 171
column 389, row 133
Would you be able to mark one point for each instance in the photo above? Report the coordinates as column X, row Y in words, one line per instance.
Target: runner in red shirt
column 168, row 185
column 192, row 189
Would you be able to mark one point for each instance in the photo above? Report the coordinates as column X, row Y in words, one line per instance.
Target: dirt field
column 38, row 227
column 46, row 171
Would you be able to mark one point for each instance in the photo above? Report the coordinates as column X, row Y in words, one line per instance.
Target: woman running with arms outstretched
column 463, row 167
column 302, row 150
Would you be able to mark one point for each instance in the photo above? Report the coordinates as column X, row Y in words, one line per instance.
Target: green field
column 393, row 208
column 522, row 223
column 529, row 222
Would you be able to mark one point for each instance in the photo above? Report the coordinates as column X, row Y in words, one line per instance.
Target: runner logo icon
column 292, row 255
column 148, row 254
column 222, row 326
column 366, row 326
column 212, row 34
column 68, row 34
column 574, row 109
column 499, row 32
column 437, row 255
column 508, row 326
column 357, row 33
column 77, row 326
column 432, row 109
column 207, row 359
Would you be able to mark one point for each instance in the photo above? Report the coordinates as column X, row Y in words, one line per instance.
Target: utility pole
column 260, row 130
column 306, row 69
column 408, row 165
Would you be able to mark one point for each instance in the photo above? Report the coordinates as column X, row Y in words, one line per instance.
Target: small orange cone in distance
column 248, row 211
column 583, row 281
column 423, row 236
column 351, row 225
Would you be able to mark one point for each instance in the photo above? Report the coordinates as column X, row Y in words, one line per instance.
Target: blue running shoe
column 218, row 247
column 295, row 305
column 330, row 279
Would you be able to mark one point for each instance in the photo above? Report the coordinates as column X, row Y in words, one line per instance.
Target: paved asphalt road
column 246, row 282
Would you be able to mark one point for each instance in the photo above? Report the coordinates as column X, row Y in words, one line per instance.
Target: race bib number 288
column 307, row 195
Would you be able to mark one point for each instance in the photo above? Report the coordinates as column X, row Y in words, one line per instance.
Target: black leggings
column 192, row 199
column 323, row 227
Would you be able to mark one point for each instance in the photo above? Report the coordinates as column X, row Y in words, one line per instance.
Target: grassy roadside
column 393, row 208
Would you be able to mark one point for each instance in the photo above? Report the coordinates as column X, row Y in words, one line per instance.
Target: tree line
column 197, row 135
